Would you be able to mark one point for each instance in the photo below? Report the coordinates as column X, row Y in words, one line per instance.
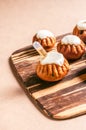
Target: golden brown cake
column 45, row 38
column 71, row 46
column 53, row 67
column 80, row 30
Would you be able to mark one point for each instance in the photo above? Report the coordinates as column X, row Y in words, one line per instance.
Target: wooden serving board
column 58, row 100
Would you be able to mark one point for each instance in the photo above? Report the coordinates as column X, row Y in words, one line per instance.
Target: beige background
column 19, row 21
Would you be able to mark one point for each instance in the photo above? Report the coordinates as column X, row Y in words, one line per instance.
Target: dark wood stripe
column 27, row 72
column 57, row 102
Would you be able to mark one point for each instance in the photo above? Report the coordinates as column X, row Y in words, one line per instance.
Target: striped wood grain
column 59, row 100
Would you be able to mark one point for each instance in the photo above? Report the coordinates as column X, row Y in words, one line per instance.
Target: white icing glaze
column 70, row 39
column 44, row 33
column 81, row 25
column 53, row 57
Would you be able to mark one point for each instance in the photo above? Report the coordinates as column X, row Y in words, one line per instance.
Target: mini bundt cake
column 80, row 30
column 45, row 38
column 53, row 67
column 71, row 46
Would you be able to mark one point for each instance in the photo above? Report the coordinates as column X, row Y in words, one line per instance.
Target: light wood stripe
column 23, row 58
column 59, row 86
column 74, row 66
column 80, row 109
column 79, row 61
column 26, row 59
column 25, row 55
